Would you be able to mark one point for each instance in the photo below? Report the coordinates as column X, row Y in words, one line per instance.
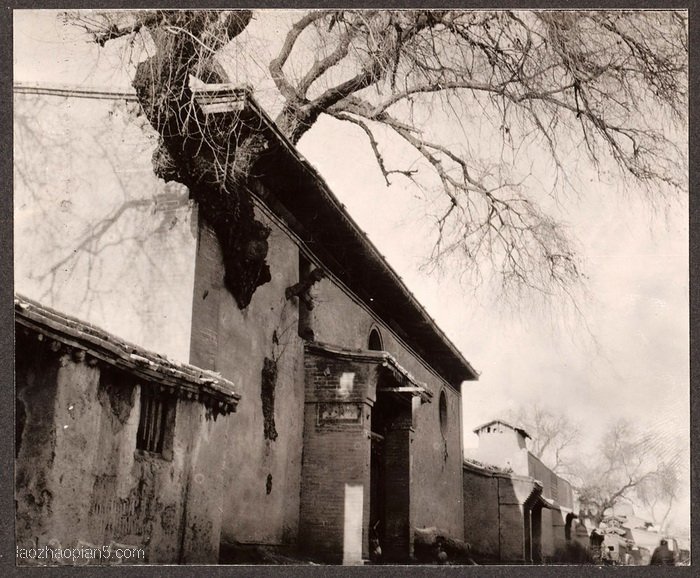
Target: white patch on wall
column 347, row 382
column 352, row 525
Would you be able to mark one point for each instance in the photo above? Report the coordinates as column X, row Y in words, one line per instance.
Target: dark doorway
column 376, row 497
column 389, row 525
column 377, row 492
column 536, row 529
column 532, row 518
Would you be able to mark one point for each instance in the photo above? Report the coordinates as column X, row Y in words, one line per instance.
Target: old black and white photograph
column 357, row 287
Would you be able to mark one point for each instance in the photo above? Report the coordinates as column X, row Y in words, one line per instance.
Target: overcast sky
column 625, row 354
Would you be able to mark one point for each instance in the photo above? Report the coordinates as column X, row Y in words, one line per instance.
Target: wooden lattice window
column 155, row 420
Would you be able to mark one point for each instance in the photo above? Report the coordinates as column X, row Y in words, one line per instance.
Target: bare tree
column 610, row 86
column 625, row 466
column 554, row 436
column 659, row 492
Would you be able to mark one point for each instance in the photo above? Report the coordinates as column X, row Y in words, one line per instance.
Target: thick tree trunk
column 196, row 152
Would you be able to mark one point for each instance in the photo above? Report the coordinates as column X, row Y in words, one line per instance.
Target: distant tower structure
column 502, row 444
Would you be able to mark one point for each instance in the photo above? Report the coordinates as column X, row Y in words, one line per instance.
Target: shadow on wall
column 503, row 516
column 89, row 254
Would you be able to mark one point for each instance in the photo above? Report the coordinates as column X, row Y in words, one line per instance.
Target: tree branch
column 277, row 64
column 375, row 147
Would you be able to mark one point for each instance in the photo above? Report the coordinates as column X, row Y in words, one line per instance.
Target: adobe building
column 114, row 445
column 532, row 505
column 349, row 422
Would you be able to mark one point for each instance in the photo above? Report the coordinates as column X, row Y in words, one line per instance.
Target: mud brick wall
column 81, row 480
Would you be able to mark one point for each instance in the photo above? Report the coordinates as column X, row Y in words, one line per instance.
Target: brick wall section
column 436, row 469
column 341, row 395
column 335, row 454
column 235, row 342
column 496, row 514
column 512, row 495
column 331, row 460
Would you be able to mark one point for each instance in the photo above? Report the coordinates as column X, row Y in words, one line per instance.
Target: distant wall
column 558, row 490
column 481, row 513
column 80, row 479
column 495, row 514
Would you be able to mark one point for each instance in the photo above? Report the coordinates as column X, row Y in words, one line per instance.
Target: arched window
column 442, row 406
column 375, row 341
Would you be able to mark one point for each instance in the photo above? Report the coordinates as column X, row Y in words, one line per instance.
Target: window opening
column 443, row 412
column 150, row 436
column 375, row 341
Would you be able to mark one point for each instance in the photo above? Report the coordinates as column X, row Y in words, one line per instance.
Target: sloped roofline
column 433, row 341
column 190, row 381
column 520, row 430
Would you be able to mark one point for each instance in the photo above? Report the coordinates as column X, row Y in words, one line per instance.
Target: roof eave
column 468, row 372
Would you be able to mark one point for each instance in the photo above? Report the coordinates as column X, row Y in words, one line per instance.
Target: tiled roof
column 185, row 380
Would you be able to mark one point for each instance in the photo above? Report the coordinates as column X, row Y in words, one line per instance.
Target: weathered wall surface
column 80, row 479
column 554, row 486
column 495, row 515
column 543, row 474
column 436, row 491
column 96, row 234
column 512, row 494
column 35, row 445
column 198, row 440
column 481, row 513
column 262, row 443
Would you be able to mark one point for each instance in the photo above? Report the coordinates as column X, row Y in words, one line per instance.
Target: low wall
column 82, row 482
column 495, row 514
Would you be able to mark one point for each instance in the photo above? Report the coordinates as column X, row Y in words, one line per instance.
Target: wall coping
column 495, row 472
column 190, row 382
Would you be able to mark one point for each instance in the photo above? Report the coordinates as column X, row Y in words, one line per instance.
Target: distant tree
column 659, row 492
column 627, row 465
column 606, row 86
column 554, row 436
